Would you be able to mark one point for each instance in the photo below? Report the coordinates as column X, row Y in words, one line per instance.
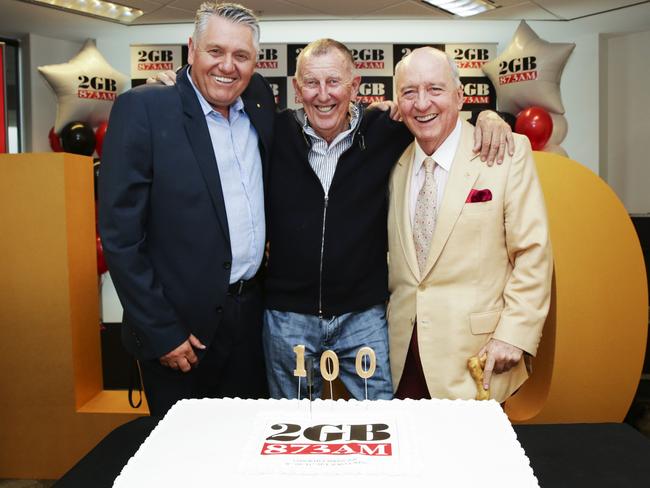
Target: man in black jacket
column 181, row 216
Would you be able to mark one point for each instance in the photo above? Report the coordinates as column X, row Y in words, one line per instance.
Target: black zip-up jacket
column 328, row 254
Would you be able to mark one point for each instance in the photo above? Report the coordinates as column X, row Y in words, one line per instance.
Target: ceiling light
column 462, row 8
column 94, row 8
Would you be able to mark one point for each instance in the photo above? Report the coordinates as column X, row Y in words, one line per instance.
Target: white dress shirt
column 444, row 157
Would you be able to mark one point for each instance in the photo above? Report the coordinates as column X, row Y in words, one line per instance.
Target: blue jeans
column 344, row 334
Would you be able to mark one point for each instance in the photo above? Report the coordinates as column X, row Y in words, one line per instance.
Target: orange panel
column 49, row 336
column 590, row 359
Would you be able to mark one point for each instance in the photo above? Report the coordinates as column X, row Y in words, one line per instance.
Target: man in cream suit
column 470, row 257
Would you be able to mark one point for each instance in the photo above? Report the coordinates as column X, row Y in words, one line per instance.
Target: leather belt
column 242, row 286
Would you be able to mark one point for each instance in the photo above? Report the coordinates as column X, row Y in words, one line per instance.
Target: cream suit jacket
column 488, row 272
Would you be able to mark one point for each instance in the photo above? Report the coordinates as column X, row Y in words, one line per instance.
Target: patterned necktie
column 425, row 214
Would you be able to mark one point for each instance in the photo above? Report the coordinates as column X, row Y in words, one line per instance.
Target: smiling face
column 428, row 97
column 325, row 85
column 223, row 60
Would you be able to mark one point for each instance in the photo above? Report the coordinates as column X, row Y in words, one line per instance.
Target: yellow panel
column 49, row 315
column 590, row 359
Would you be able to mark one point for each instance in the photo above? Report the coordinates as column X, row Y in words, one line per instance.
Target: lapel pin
column 259, row 106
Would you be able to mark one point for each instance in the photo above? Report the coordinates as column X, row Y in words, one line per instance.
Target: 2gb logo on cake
column 329, row 439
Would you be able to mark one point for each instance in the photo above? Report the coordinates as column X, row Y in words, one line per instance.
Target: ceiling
column 181, row 11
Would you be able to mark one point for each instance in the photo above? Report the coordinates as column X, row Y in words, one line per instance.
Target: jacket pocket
column 484, row 322
column 477, row 208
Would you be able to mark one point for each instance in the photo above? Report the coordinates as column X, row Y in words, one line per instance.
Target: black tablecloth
column 587, row 455
column 570, row 455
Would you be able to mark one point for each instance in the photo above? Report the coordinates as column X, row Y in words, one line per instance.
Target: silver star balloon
column 527, row 73
column 560, row 128
column 85, row 87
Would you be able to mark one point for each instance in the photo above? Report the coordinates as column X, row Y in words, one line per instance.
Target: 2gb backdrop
column 374, row 62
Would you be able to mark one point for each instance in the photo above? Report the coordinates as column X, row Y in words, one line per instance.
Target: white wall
column 40, row 109
column 627, row 121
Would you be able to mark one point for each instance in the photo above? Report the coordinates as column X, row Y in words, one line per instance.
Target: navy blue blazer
column 162, row 217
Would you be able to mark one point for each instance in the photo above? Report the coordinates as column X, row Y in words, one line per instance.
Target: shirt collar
column 237, row 106
column 355, row 118
column 444, row 155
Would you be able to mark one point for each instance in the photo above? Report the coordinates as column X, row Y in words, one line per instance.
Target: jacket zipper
column 322, row 251
column 362, row 145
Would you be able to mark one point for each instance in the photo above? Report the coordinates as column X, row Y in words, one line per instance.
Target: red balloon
column 101, row 262
column 536, row 124
column 100, row 132
column 55, row 141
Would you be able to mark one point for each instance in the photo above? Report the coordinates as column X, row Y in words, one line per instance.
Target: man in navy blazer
column 181, row 216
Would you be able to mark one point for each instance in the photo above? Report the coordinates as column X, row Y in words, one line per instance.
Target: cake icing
column 277, row 443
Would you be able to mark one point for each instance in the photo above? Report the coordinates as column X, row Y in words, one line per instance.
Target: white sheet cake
column 280, row 443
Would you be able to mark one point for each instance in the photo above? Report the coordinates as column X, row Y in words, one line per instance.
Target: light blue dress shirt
column 235, row 144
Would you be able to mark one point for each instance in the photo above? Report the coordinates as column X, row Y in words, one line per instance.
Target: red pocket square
column 478, row 196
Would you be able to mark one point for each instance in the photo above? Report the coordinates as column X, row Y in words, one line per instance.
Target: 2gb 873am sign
column 324, row 444
column 329, row 440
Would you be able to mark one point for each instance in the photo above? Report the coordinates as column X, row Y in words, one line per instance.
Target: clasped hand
column 183, row 357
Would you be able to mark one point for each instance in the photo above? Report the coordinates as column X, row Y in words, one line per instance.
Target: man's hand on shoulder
column 492, row 135
column 501, row 357
column 183, row 357
column 387, row 105
column 167, row 77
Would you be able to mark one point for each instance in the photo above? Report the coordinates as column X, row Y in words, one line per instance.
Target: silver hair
column 455, row 76
column 234, row 12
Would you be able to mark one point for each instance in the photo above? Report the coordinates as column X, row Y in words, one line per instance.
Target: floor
column 639, row 414
column 26, row 483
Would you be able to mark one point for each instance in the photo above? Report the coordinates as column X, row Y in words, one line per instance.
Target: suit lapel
column 402, row 190
column 464, row 172
column 197, row 132
column 261, row 116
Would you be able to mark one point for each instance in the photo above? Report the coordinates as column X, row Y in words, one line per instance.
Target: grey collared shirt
column 323, row 157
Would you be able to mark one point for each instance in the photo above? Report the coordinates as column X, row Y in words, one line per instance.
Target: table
column 561, row 455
